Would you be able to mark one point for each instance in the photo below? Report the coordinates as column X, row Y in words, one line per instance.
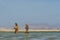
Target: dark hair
column 16, row 24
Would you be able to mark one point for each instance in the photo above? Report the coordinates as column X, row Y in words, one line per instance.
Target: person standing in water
column 26, row 28
column 16, row 28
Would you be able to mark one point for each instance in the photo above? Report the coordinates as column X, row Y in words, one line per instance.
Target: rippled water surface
column 30, row 36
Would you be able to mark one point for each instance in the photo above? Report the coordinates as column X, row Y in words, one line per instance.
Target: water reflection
column 26, row 36
column 30, row 36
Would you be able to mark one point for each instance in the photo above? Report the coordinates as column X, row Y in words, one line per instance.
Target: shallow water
column 30, row 36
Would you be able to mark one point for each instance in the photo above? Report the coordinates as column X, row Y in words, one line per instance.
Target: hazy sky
column 29, row 11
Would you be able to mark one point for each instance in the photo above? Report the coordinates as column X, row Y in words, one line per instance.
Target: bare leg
column 26, row 31
column 16, row 31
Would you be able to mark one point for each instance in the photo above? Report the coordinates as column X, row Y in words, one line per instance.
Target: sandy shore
column 31, row 30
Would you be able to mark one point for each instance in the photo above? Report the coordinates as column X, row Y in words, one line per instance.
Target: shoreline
column 31, row 30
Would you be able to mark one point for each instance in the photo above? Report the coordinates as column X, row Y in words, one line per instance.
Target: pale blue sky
column 29, row 11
